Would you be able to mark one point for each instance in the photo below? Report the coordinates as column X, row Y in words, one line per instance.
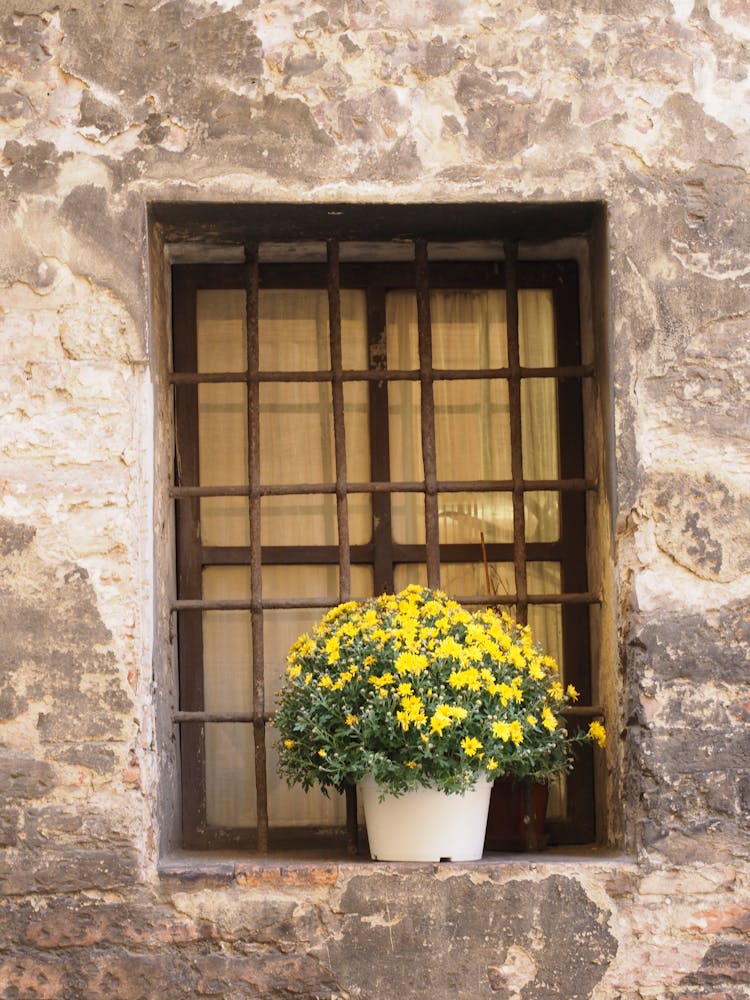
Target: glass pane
column 227, row 641
column 357, row 423
column 293, row 330
column 459, row 579
column 293, row 806
column 472, row 433
column 539, row 432
column 542, row 516
column 227, row 677
column 407, row 573
column 407, row 518
column 464, row 517
column 536, row 327
column 405, row 431
column 546, row 627
column 468, row 329
column 296, row 434
column 353, row 329
column 220, row 318
column 466, row 579
column 402, row 337
column 230, row 775
column 299, row 520
column 546, row 619
column 222, row 449
column 283, row 626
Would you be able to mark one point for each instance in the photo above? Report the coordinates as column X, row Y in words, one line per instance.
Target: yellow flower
column 548, row 719
column 491, row 764
column 501, row 730
column 597, row 732
column 411, row 663
column 289, row 744
column 325, row 682
column 411, row 711
column 470, row 745
column 448, row 648
column 441, row 719
column 383, row 681
column 469, row 678
column 294, row 671
column 321, row 753
column 516, row 732
column 572, row 693
column 556, row 691
column 351, row 720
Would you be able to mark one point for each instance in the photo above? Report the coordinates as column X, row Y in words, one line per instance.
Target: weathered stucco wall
column 105, row 106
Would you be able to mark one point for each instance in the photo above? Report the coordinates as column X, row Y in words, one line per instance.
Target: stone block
column 24, row 777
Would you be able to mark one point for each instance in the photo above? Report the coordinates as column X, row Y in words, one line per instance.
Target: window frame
column 574, row 486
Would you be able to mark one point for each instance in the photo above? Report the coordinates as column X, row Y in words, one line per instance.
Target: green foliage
column 416, row 690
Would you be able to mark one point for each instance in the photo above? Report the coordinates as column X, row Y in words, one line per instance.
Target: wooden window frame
column 573, row 485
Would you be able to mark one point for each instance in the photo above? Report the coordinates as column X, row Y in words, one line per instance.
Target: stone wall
column 105, row 107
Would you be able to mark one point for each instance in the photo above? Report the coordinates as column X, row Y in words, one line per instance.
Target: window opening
column 343, row 429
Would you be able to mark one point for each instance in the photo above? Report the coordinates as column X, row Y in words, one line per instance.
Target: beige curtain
column 472, row 443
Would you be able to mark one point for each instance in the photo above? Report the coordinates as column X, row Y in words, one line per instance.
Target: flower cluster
column 416, row 690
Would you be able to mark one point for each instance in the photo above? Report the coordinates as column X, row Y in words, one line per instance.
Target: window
column 352, row 417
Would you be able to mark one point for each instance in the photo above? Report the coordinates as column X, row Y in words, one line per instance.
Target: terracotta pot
column 516, row 816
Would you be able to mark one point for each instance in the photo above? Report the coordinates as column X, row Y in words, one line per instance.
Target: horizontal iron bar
column 583, row 711
column 506, row 599
column 443, row 486
column 381, row 375
column 292, row 603
column 179, row 717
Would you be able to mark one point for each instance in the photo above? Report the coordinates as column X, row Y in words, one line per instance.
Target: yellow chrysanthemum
column 470, row 745
column 411, row 663
column 598, row 732
column 548, row 719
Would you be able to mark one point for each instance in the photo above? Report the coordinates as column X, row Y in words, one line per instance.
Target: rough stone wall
column 105, row 105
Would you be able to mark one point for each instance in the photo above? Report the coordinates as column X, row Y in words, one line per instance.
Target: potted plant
column 411, row 697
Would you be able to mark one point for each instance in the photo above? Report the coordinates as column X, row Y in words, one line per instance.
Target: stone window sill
column 324, row 870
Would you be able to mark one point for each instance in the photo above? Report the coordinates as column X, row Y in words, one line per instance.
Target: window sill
column 319, row 868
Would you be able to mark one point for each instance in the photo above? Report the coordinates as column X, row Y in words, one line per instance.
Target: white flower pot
column 425, row 824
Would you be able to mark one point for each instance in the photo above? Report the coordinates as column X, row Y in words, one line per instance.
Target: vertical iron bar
column 256, row 581
column 379, row 441
column 342, row 511
column 339, row 429
column 516, row 446
column 427, row 411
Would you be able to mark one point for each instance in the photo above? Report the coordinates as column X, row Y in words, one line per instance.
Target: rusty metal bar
column 506, row 599
column 339, row 429
column 443, row 486
column 240, row 717
column 292, row 603
column 342, row 509
column 380, row 375
column 516, row 448
column 256, row 578
column 427, row 413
